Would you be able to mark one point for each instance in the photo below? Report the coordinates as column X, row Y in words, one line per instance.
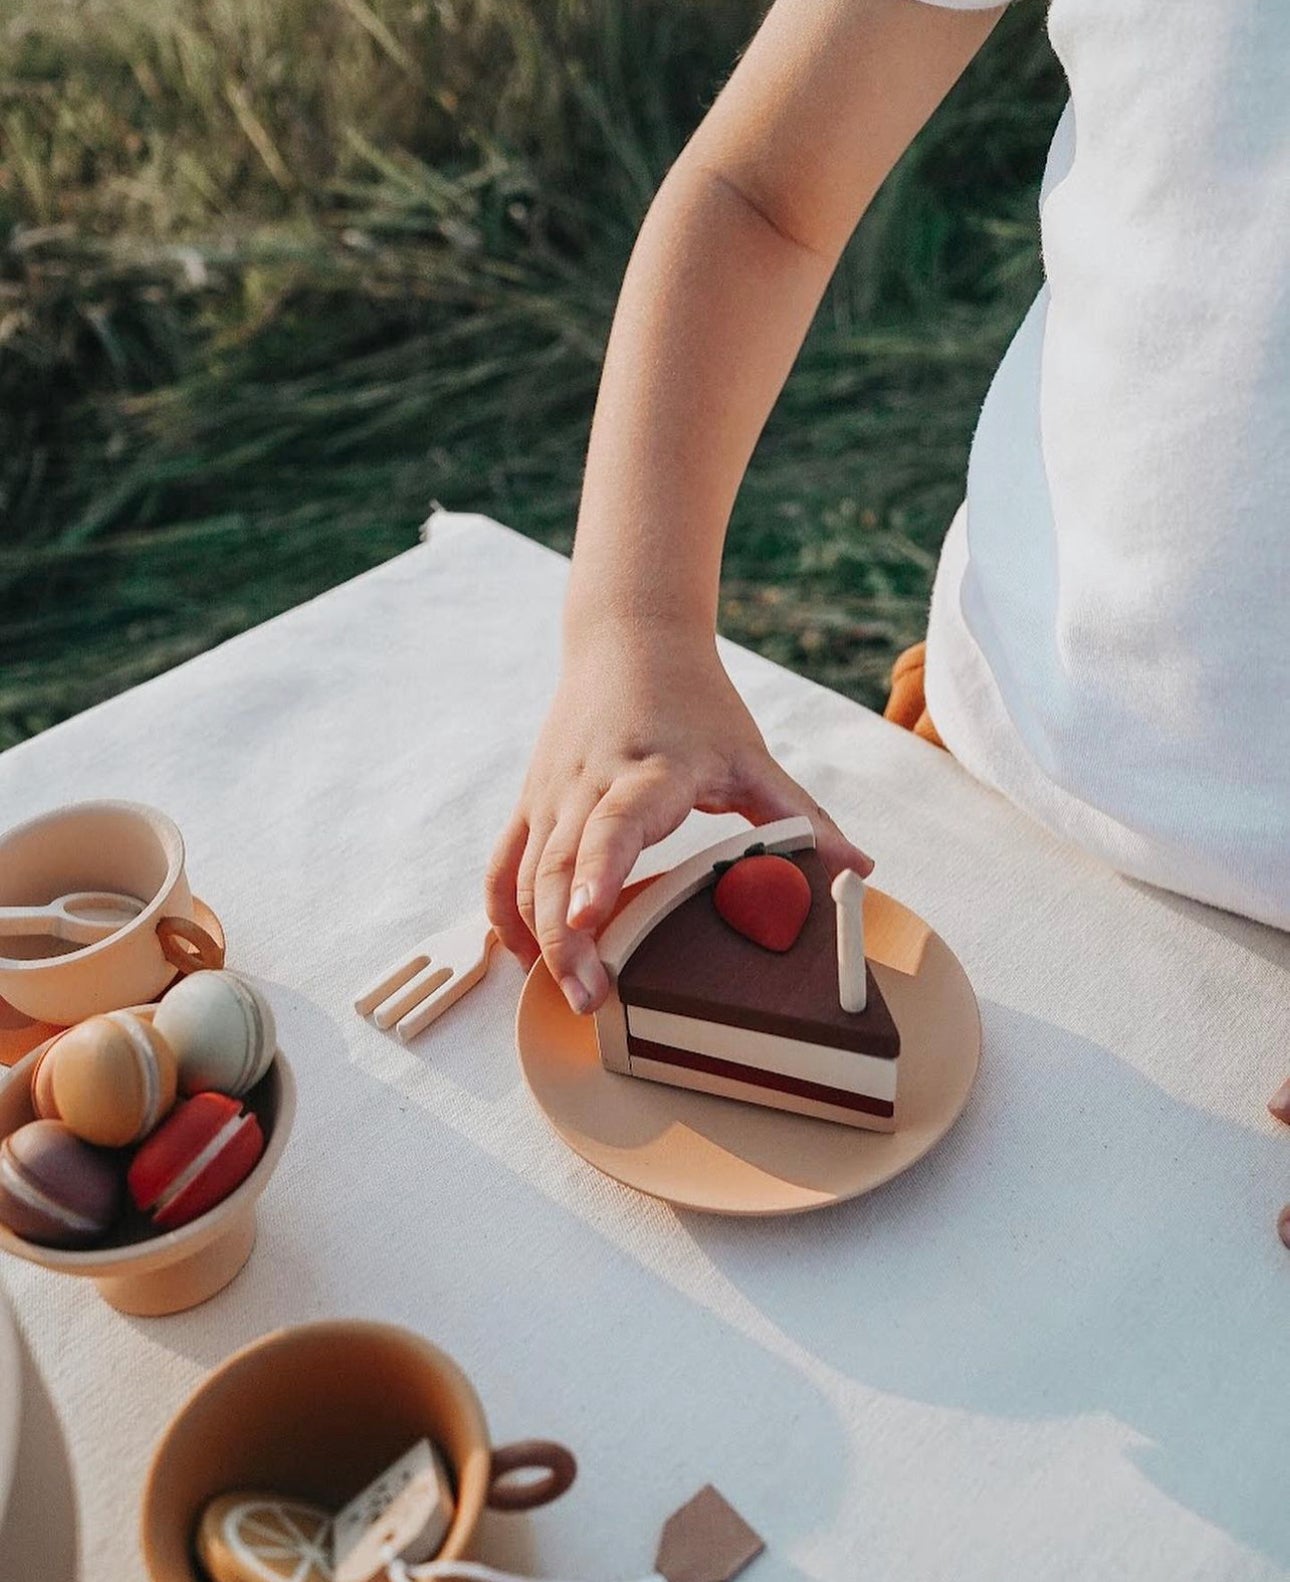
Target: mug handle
column 559, row 1464
column 187, row 945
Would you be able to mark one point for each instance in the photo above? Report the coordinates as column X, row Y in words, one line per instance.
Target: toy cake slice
column 697, row 1004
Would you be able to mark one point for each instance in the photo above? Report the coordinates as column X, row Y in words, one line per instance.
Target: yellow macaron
column 112, row 1079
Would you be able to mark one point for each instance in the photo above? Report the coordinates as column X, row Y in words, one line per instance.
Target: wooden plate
column 723, row 1157
column 19, row 1035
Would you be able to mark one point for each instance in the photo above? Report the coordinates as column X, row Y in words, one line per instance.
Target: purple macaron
column 56, row 1189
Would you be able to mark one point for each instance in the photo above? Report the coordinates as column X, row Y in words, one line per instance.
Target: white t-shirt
column 1109, row 641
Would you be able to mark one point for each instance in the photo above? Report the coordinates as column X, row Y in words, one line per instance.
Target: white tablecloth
column 1055, row 1349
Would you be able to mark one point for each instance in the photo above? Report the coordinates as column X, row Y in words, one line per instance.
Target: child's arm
column 726, row 275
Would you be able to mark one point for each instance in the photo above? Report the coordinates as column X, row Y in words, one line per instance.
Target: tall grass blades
column 276, row 274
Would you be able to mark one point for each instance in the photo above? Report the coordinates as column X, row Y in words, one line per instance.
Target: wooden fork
column 435, row 973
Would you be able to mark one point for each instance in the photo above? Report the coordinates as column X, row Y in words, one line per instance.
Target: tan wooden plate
column 722, row 1157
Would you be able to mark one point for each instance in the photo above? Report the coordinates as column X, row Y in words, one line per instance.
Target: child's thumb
column 770, row 793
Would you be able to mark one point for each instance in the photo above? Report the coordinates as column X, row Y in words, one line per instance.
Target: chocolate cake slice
column 707, row 1008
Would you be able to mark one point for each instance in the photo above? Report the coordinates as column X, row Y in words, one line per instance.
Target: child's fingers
column 770, row 792
column 836, row 851
column 635, row 812
column 540, row 827
column 570, row 956
column 500, row 886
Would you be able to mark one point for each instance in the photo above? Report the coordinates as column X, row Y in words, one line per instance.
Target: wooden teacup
column 117, row 846
column 319, row 1410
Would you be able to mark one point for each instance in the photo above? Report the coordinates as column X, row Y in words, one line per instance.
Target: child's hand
column 644, row 727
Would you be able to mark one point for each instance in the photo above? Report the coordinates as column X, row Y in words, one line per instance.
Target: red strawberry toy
column 765, row 898
column 205, row 1147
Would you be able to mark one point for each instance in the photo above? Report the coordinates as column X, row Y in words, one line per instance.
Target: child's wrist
column 636, row 623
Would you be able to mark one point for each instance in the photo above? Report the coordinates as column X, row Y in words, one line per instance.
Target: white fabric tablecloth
column 1055, row 1349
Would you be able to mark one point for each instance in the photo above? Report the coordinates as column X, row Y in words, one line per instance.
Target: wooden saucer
column 19, row 1035
column 723, row 1157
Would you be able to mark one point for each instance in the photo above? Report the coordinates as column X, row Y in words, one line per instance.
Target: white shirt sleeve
column 966, row 5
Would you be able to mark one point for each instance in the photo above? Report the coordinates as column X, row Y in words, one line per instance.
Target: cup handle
column 558, row 1463
column 187, row 945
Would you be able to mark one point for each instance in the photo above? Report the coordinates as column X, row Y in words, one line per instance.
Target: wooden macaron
column 222, row 1031
column 205, row 1148
column 111, row 1078
column 56, row 1189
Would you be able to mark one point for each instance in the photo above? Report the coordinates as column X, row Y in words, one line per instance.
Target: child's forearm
column 728, row 269
column 726, row 274
column 714, row 307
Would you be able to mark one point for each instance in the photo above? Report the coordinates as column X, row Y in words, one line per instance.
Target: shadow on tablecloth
column 39, row 1534
column 1083, row 1244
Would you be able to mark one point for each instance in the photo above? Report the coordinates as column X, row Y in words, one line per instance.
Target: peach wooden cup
column 317, row 1411
column 179, row 1268
column 121, row 846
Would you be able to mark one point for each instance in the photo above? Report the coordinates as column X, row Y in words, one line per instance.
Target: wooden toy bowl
column 139, row 1270
column 119, row 846
column 316, row 1411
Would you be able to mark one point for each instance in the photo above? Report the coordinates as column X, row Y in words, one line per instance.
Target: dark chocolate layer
column 694, row 964
column 757, row 1076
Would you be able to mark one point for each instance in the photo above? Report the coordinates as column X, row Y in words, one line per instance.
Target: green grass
column 277, row 274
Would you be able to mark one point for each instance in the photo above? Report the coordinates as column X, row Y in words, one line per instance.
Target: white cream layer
column 253, row 1041
column 145, row 1059
column 869, row 1075
column 755, row 1093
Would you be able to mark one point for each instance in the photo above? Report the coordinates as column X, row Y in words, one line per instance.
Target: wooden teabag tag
column 707, row 1540
column 404, row 1514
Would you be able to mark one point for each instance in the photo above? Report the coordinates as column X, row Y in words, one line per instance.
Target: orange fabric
column 907, row 706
